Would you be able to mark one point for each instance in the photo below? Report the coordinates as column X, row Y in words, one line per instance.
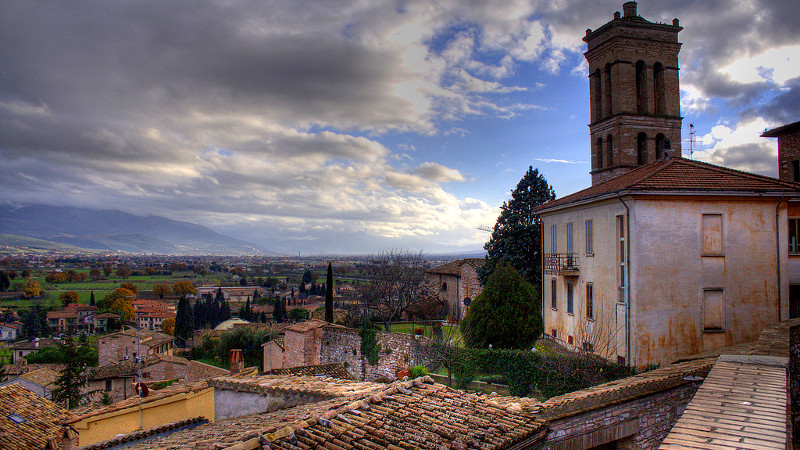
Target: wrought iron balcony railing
column 565, row 264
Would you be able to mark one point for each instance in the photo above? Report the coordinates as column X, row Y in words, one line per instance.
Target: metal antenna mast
column 691, row 141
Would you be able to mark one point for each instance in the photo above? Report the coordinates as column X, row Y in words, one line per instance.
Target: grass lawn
column 448, row 331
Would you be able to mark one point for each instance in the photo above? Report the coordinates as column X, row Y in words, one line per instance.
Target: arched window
column 599, row 152
column 608, row 108
column 659, row 89
column 444, row 286
column 660, row 138
column 610, row 150
column 598, row 95
column 641, row 149
column 641, row 87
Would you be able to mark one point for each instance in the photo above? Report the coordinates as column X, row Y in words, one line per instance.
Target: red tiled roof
column 39, row 419
column 333, row 370
column 454, row 267
column 779, row 131
column 670, row 175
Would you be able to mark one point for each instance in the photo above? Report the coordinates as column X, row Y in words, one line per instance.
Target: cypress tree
column 91, row 299
column 329, row 295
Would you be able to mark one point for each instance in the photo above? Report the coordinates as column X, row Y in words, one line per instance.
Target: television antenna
column 485, row 228
column 691, row 141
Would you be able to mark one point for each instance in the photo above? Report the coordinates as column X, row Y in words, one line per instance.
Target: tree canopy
column 505, row 314
column 516, row 236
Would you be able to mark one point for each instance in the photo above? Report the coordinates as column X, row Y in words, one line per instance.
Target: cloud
column 438, row 173
column 561, row 161
column 740, row 147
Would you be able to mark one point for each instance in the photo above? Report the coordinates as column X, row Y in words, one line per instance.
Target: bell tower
column 634, row 93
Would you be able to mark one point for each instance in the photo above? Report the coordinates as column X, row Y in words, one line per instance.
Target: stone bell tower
column 634, row 93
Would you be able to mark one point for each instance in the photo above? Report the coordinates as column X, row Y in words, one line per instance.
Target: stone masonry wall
column 641, row 423
column 116, row 347
column 788, row 151
column 343, row 345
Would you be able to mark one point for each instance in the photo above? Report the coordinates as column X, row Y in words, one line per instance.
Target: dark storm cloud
column 785, row 107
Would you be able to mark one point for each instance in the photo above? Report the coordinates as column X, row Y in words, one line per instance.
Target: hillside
column 111, row 230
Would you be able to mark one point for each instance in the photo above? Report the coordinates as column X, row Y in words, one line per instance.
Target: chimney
column 237, row 363
column 629, row 9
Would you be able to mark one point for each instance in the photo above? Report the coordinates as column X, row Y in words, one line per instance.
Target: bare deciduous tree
column 395, row 281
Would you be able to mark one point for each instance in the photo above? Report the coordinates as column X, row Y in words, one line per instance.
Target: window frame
column 589, row 231
column 570, row 298
column 553, row 296
column 589, row 301
column 796, row 228
column 570, row 247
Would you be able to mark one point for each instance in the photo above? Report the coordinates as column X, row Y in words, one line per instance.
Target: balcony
column 563, row 264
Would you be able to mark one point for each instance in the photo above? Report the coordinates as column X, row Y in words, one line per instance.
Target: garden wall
column 397, row 351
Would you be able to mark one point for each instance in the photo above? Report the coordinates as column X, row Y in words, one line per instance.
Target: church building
column 662, row 256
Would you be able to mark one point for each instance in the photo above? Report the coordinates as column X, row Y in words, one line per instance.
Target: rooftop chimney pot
column 616, row 14
column 629, row 9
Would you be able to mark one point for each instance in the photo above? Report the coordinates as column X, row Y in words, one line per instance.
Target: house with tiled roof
column 29, row 421
column 125, row 344
column 39, row 381
column 10, row 331
column 117, row 378
column 662, row 256
column 457, row 284
column 20, row 349
column 71, row 318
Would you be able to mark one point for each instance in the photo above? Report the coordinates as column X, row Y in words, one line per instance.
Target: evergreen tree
column 5, row 282
column 32, row 326
column 225, row 313
column 329, row 295
column 516, row 237
column 184, row 322
column 69, row 385
column 505, row 314
column 308, row 277
column 91, row 299
column 256, row 295
column 199, row 315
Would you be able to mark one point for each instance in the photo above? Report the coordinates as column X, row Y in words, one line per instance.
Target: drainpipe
column 541, row 258
column 778, row 252
column 628, row 270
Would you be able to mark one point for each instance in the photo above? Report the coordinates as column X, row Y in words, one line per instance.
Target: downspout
column 778, row 252
column 628, row 271
column 541, row 262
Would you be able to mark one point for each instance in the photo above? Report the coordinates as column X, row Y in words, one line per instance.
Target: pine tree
column 184, row 322
column 91, row 299
column 73, row 378
column 329, row 295
column 5, row 282
column 32, row 326
column 516, row 237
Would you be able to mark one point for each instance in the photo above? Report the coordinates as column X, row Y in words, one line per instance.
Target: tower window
column 796, row 171
column 659, row 89
column 641, row 87
column 610, row 150
column 641, row 149
column 599, row 153
column 608, row 108
column 660, row 140
column 598, row 95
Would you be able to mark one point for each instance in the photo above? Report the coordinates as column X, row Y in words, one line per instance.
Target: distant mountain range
column 111, row 230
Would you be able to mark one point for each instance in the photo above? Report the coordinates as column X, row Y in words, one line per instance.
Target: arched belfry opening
column 634, row 92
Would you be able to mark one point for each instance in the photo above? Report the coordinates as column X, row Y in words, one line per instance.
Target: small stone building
column 457, row 284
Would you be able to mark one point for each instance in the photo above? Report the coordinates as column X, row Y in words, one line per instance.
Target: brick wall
column 343, row 345
column 641, row 423
column 788, row 151
column 115, row 348
column 302, row 348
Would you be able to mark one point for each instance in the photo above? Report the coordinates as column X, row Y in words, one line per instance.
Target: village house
column 125, row 344
column 98, row 323
column 20, row 349
column 70, row 319
column 662, row 256
column 10, row 331
column 39, row 381
column 29, row 421
column 457, row 284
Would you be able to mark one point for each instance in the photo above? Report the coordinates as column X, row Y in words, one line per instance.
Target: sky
column 352, row 126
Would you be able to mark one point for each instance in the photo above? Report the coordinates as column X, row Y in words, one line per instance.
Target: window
column 589, row 238
column 444, row 286
column 570, row 309
column 610, row 145
column 660, row 138
column 713, row 310
column 570, row 340
column 553, row 245
column 554, row 333
column 659, row 89
column 569, row 237
column 108, row 385
column 796, row 171
column 589, row 301
column 598, row 96
column 608, row 108
column 794, row 236
column 641, row 87
column 599, row 153
column 712, row 235
column 553, row 303
column 641, row 149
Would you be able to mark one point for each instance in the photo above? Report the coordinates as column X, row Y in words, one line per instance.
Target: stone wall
column 641, row 423
column 229, row 404
column 788, row 151
column 343, row 345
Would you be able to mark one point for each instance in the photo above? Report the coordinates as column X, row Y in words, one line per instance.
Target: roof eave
column 686, row 193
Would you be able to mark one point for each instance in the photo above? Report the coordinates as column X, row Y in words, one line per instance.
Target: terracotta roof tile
column 412, row 414
column 324, row 387
column 334, row 370
column 454, row 267
column 680, row 175
column 37, row 419
column 128, row 369
column 42, row 377
column 309, row 325
column 779, row 131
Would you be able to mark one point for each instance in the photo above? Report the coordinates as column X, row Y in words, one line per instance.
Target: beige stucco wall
column 668, row 275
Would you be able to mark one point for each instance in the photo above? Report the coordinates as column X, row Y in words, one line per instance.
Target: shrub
column 417, row 371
